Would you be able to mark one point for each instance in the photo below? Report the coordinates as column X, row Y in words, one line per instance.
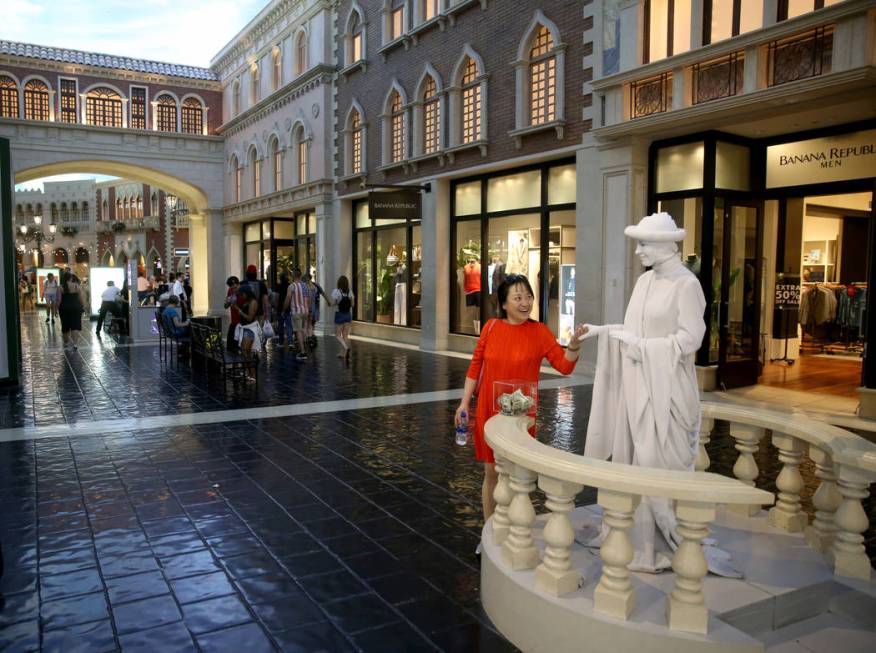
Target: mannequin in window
column 518, row 257
column 471, row 275
column 569, row 293
column 496, row 275
column 400, row 304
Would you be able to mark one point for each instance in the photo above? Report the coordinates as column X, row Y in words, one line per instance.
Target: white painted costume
column 645, row 408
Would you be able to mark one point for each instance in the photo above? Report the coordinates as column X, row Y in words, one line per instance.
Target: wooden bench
column 209, row 345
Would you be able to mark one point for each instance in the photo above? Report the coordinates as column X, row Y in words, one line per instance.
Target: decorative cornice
column 72, row 69
column 261, row 26
column 289, row 199
column 313, row 78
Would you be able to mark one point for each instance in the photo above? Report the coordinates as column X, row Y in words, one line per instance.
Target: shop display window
column 732, row 166
column 680, row 167
column 509, row 239
column 280, row 245
column 387, row 269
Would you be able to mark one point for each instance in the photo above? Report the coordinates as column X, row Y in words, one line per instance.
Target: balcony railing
column 801, row 56
column 650, row 96
column 718, row 78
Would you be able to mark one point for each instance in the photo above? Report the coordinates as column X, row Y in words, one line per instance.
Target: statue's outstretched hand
column 632, row 349
column 589, row 331
column 580, row 331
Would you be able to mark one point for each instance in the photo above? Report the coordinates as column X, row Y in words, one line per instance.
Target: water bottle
column 462, row 430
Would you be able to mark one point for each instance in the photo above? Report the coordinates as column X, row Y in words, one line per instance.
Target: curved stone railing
column 845, row 465
column 522, row 462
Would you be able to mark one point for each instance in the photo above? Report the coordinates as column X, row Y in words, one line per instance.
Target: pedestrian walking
column 297, row 303
column 342, row 298
column 70, row 310
column 50, row 296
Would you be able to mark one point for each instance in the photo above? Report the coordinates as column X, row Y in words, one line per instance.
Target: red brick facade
column 495, row 33
column 212, row 98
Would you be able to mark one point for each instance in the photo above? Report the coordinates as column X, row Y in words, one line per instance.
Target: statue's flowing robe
column 647, row 411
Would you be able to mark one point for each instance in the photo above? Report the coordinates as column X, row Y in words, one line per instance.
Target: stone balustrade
column 845, row 466
column 524, row 462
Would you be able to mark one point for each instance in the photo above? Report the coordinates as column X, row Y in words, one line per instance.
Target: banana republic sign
column 821, row 160
column 402, row 204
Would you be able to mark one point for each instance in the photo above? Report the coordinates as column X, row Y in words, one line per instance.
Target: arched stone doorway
column 61, row 258
column 81, row 261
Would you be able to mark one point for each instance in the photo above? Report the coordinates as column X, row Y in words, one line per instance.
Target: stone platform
column 785, row 584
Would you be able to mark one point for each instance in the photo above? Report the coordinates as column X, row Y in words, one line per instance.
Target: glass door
column 738, row 361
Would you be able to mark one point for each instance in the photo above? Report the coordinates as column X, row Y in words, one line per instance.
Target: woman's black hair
column 231, row 281
column 247, row 292
column 505, row 287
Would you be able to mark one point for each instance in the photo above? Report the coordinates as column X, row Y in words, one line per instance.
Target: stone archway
column 206, row 224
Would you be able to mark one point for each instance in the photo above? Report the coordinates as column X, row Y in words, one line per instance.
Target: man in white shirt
column 109, row 303
column 177, row 288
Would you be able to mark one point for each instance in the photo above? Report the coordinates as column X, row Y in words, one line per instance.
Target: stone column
column 324, row 276
column 434, row 271
column 207, row 262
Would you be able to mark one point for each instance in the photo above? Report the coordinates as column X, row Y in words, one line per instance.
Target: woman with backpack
column 343, row 299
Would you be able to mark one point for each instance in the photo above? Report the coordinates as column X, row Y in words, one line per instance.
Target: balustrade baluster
column 555, row 574
column 686, row 606
column 849, row 556
column 502, row 494
column 614, row 594
column 518, row 549
column 786, row 514
column 747, row 440
column 702, row 461
column 826, row 500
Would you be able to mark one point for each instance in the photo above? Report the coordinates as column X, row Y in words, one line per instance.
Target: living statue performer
column 646, row 408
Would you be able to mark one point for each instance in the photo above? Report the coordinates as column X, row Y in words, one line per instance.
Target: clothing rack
column 837, row 337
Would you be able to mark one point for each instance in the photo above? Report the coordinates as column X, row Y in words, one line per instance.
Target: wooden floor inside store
column 834, row 375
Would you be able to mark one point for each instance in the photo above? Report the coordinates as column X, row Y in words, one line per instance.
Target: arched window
column 278, row 67
column 471, row 102
column 28, row 211
column 237, row 171
column 394, row 20
column 356, row 143
column 192, row 116
column 255, row 83
column 8, row 97
column 119, row 215
column 431, row 117
column 355, row 38
column 301, row 54
column 139, row 206
column 542, row 78
column 396, row 127
column 36, row 100
column 103, row 107
column 126, row 208
column 83, row 212
column 165, row 113
column 256, row 173
column 235, row 97
column 154, row 209
column 65, row 215
column 74, row 212
column 303, row 155
column 277, row 161
column 429, row 9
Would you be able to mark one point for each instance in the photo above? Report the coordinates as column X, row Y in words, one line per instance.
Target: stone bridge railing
column 846, row 464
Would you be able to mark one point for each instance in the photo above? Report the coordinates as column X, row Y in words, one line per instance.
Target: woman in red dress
column 510, row 348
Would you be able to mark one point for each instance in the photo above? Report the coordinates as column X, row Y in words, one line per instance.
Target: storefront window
column 467, row 291
column 561, row 275
column 364, row 276
column 387, row 269
column 520, row 191
column 284, row 229
column 468, row 198
column 732, row 166
column 717, row 267
column 688, row 214
column 520, row 209
column 680, row 167
column 273, row 247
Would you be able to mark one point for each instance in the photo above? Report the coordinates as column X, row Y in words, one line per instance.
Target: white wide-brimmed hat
column 656, row 228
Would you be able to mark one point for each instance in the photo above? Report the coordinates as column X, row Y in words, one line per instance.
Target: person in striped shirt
column 298, row 304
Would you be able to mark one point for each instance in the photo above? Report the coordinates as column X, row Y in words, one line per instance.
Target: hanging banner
column 398, row 205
